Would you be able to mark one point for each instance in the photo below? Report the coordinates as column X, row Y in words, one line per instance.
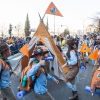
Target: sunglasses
column 98, row 39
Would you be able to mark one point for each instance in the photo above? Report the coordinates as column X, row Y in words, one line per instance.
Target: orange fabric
column 24, row 50
column 41, row 39
column 42, row 31
column 25, row 59
column 29, row 81
column 85, row 48
column 52, row 9
column 95, row 79
column 3, row 63
column 46, row 34
column 94, row 55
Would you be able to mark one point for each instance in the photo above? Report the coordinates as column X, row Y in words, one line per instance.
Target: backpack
column 95, row 83
column 3, row 63
column 30, row 83
column 3, row 66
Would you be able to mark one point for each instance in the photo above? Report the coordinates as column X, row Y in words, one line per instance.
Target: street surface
column 60, row 91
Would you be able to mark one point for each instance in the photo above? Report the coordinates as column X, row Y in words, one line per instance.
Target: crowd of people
column 37, row 62
column 15, row 43
column 13, row 39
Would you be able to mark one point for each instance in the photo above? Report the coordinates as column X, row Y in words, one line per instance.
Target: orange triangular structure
column 24, row 50
column 85, row 48
column 49, row 42
column 41, row 39
column 52, row 9
column 94, row 55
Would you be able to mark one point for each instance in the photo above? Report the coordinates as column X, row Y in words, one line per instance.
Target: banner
column 52, row 9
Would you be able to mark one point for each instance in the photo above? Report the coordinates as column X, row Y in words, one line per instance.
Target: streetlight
column 83, row 23
column 64, row 25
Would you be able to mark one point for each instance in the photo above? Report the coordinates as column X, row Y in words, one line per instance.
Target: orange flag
column 85, row 48
column 41, row 39
column 94, row 55
column 24, row 50
column 52, row 9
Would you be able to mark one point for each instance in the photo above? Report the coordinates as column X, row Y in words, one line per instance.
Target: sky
column 75, row 12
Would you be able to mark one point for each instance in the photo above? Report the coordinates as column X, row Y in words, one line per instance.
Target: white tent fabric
column 58, row 72
column 32, row 42
column 18, row 67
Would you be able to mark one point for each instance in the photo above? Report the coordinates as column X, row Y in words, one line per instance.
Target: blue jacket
column 73, row 58
column 40, row 86
column 4, row 78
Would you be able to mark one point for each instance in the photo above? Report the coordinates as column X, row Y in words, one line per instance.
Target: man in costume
column 5, row 72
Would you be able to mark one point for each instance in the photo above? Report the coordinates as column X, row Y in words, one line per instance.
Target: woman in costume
column 72, row 62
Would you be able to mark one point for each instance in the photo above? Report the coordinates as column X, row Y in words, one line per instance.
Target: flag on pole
column 24, row 50
column 52, row 9
column 85, row 48
column 94, row 55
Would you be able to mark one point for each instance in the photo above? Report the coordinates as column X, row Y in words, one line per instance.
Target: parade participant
column 72, row 62
column 76, row 41
column 61, row 38
column 97, row 43
column 40, row 85
column 58, row 41
column 5, row 72
column 97, row 63
column 86, row 41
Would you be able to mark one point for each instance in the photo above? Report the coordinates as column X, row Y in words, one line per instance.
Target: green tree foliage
column 27, row 26
column 66, row 32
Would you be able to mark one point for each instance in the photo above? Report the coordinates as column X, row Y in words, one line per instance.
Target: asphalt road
column 60, row 91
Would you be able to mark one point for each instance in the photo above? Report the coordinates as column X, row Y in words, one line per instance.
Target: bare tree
column 19, row 29
column 96, row 22
column 3, row 30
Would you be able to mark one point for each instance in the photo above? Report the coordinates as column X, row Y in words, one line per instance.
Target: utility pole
column 99, row 25
column 83, row 26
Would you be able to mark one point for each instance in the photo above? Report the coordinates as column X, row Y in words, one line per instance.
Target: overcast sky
column 73, row 11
